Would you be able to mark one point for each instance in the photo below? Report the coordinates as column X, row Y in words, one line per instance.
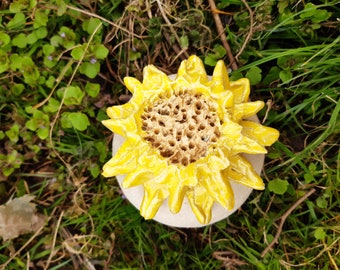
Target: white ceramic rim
column 185, row 218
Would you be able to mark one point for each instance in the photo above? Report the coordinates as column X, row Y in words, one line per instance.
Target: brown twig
column 179, row 53
column 53, row 250
column 221, row 33
column 250, row 33
column 172, row 29
column 283, row 219
column 229, row 259
column 116, row 26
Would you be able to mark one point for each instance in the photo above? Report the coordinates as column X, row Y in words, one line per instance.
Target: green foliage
column 309, row 18
column 62, row 64
column 25, row 66
column 71, row 95
column 17, row 22
column 65, row 38
column 34, row 63
column 278, row 186
column 218, row 53
column 10, row 162
column 90, row 56
column 254, row 74
column 77, row 120
column 4, row 39
column 19, row 5
column 4, row 61
column 320, row 233
column 13, row 133
column 92, row 89
column 39, row 123
column 92, row 25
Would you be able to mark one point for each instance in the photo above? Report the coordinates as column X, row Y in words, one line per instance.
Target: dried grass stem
column 221, row 33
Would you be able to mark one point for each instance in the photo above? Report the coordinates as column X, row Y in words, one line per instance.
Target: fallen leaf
column 18, row 216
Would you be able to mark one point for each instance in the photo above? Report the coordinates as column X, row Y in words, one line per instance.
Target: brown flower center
column 181, row 127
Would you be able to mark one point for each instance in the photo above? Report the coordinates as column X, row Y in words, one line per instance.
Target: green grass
column 62, row 64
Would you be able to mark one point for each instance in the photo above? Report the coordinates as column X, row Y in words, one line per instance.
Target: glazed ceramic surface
column 186, row 218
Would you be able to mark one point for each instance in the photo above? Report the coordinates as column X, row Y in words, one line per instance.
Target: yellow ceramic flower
column 185, row 138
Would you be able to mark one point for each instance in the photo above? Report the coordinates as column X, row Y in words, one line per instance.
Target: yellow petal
column 237, row 142
column 230, row 130
column 241, row 90
column 217, row 160
column 201, row 204
column 138, row 177
column 122, row 126
column 188, row 175
column 179, row 179
column 177, row 193
column 193, row 70
column 155, row 80
column 241, row 171
column 263, row 135
column 154, row 195
column 132, row 84
column 182, row 84
column 225, row 100
column 220, row 78
column 220, row 190
column 248, row 146
column 245, row 110
column 149, row 166
column 123, row 162
column 122, row 111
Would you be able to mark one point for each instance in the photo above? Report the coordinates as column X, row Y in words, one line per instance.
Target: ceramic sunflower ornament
column 187, row 145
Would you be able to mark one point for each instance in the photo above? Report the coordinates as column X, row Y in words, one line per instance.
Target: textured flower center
column 181, row 127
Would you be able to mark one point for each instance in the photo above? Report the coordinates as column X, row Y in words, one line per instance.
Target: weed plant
column 62, row 64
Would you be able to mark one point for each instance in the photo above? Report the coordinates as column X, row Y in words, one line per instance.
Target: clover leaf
column 73, row 95
column 39, row 123
column 278, row 186
column 77, row 120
